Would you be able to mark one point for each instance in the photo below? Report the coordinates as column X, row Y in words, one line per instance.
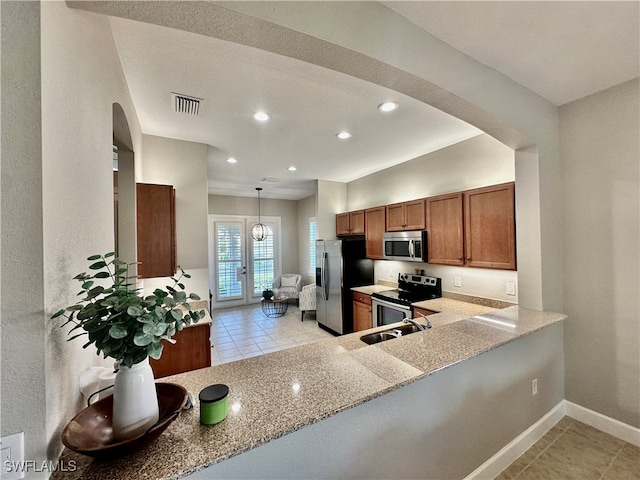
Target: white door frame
column 248, row 220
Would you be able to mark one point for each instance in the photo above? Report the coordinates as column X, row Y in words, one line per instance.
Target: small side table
column 274, row 307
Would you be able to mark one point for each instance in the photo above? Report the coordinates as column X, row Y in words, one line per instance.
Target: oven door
column 386, row 313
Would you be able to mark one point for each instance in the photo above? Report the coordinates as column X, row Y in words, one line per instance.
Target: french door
column 240, row 267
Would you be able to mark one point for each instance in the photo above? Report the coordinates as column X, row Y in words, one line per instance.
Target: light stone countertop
column 199, row 305
column 281, row 392
column 369, row 289
column 454, row 306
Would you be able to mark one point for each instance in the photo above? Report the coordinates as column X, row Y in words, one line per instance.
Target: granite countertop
column 454, row 306
column 281, row 392
column 199, row 305
column 369, row 289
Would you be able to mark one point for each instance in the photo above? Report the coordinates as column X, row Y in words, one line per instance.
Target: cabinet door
column 191, row 351
column 342, row 224
column 445, row 242
column 490, row 227
column 156, row 228
column 375, row 228
column 356, row 222
column 395, row 217
column 361, row 316
column 414, row 215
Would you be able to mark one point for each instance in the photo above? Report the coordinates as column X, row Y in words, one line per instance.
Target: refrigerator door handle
column 324, row 275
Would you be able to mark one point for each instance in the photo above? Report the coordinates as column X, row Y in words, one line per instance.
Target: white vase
column 135, row 402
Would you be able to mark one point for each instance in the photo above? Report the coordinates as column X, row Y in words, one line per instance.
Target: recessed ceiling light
column 292, row 168
column 343, row 135
column 232, row 160
column 261, row 116
column 387, row 106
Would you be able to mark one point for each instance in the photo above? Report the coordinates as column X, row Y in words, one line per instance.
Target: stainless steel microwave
column 405, row 246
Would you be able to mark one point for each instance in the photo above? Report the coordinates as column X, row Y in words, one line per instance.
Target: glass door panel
column 229, row 260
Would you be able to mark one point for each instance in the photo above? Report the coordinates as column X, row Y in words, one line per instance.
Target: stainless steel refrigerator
column 340, row 265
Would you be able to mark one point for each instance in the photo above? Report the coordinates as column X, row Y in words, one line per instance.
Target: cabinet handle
column 468, row 259
column 459, row 258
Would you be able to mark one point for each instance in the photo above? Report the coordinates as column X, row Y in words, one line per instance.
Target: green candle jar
column 214, row 404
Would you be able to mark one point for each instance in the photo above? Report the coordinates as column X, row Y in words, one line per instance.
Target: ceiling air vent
column 270, row 180
column 185, row 104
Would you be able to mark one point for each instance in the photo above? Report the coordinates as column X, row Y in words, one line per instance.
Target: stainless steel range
column 393, row 306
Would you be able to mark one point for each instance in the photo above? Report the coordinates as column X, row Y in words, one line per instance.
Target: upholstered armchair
column 307, row 299
column 288, row 284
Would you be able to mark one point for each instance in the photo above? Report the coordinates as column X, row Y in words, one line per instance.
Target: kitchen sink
column 389, row 334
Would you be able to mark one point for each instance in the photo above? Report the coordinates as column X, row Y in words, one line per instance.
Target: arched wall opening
column 124, row 188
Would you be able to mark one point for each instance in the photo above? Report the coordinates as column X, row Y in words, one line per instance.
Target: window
column 312, row 246
column 263, row 262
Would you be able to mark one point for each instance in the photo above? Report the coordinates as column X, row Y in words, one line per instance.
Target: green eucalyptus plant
column 120, row 322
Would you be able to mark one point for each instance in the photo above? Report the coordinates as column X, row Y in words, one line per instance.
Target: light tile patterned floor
column 243, row 332
column 572, row 450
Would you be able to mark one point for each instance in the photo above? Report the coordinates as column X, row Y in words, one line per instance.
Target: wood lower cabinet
column 475, row 228
column 375, row 223
column 156, row 228
column 361, row 311
column 350, row 223
column 422, row 311
column 406, row 216
column 191, row 351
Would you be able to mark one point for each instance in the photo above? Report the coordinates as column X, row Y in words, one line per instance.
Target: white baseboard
column 602, row 422
column 509, row 453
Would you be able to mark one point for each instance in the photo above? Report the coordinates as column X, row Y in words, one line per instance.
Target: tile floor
column 243, row 332
column 572, row 450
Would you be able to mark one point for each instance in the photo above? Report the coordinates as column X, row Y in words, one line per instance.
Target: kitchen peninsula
column 284, row 403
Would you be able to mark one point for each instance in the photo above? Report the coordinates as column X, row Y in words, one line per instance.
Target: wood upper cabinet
column 490, row 227
column 350, row 223
column 361, row 311
column 375, row 226
column 445, row 241
column 475, row 228
column 156, row 227
column 406, row 216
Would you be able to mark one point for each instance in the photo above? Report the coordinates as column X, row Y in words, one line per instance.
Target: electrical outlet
column 534, row 386
column 12, row 455
column 391, row 273
column 457, row 281
column 511, row 288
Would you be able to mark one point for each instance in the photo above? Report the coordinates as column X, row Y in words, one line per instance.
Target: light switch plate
column 511, row 288
column 12, row 455
column 457, row 281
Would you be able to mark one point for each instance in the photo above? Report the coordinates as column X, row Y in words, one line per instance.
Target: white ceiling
column 569, row 51
column 562, row 50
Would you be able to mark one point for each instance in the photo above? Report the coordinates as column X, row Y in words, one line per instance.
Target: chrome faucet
column 419, row 326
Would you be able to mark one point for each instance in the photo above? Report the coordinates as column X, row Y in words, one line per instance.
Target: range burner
column 412, row 289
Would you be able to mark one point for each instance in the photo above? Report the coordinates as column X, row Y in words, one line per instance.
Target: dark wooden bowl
column 90, row 432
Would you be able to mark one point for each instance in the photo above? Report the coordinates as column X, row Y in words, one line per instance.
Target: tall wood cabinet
column 406, row 216
column 475, row 228
column 156, row 227
column 350, row 223
column 375, row 226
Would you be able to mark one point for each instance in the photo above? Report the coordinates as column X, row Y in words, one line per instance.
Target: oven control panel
column 418, row 279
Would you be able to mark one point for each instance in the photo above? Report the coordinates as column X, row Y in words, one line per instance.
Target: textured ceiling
column 560, row 50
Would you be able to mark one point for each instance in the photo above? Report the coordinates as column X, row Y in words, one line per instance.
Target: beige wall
column 601, row 209
column 287, row 210
column 62, row 211
column 184, row 165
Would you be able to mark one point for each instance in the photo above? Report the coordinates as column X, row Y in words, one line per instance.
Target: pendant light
column 259, row 231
